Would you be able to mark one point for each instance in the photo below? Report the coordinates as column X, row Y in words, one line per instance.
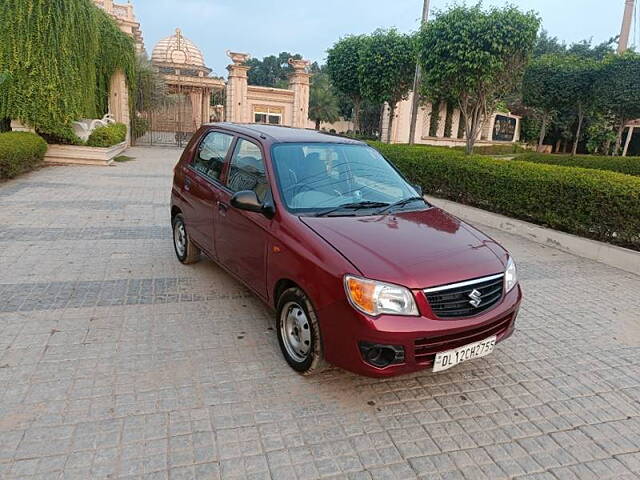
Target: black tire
column 188, row 253
column 313, row 362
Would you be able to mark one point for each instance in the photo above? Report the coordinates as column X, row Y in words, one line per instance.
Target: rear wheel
column 185, row 249
column 299, row 332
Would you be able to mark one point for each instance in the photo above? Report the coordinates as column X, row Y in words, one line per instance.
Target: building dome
column 178, row 50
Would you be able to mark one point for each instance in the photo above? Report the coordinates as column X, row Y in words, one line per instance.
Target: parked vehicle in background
column 363, row 273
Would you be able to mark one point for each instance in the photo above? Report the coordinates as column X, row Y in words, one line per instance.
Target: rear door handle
column 187, row 183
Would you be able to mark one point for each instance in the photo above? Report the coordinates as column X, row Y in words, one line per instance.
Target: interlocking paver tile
column 117, row 361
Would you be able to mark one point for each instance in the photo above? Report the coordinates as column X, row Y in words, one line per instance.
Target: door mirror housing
column 248, row 200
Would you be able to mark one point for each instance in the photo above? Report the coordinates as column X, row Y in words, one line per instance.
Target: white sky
column 265, row 27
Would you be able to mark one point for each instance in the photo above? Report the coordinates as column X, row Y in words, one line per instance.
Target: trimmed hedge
column 601, row 205
column 20, row 152
column 495, row 149
column 628, row 165
column 108, row 136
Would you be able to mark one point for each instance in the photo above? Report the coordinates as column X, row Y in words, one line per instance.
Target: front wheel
column 299, row 333
column 185, row 249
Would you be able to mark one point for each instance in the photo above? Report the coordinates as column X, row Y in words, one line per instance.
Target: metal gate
column 171, row 124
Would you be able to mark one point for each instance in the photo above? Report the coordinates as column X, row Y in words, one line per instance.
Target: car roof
column 280, row 134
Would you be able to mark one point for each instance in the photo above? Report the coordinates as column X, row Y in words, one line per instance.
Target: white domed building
column 189, row 80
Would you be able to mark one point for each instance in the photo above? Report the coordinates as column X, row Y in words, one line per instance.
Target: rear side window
column 246, row 171
column 210, row 156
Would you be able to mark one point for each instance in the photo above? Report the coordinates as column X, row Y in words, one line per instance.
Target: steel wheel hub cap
column 296, row 331
column 180, row 239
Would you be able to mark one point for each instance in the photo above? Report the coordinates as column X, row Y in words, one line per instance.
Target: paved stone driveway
column 117, row 361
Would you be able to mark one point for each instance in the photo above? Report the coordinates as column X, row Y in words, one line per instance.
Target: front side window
column 317, row 177
column 211, row 154
column 246, row 170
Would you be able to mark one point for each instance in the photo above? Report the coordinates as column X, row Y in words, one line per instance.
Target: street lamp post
column 417, row 79
column 623, row 42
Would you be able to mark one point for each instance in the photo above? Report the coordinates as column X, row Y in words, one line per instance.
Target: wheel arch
column 280, row 287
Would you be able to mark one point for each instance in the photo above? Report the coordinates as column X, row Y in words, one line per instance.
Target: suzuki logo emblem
column 476, row 298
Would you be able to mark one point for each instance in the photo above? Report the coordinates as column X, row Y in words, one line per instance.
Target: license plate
column 451, row 358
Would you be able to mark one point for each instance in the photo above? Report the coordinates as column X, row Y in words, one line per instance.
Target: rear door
column 202, row 184
column 242, row 237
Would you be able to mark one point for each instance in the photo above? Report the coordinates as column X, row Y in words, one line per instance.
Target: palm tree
column 323, row 103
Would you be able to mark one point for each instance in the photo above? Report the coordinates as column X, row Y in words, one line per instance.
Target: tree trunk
column 356, row 114
column 607, row 147
column 558, row 146
column 318, row 124
column 478, row 115
column 578, row 131
column 616, row 150
column 543, row 132
column 392, row 112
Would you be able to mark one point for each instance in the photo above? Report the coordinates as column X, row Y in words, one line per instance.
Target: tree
column 323, row 103
column 342, row 67
column 540, row 90
column 151, row 90
column 271, row 71
column 617, row 90
column 61, row 55
column 546, row 44
column 476, row 57
column 600, row 51
column 386, row 68
column 576, row 79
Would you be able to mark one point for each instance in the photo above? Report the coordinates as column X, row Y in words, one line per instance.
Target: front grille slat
column 425, row 349
column 454, row 301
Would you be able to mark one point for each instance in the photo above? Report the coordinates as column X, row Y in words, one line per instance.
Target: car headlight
column 375, row 298
column 510, row 276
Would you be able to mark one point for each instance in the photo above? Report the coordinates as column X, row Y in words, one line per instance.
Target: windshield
column 339, row 179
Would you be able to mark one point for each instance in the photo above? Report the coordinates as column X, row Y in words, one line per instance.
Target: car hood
column 416, row 249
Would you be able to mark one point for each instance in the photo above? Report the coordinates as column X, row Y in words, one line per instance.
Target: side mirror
column 248, row 200
column 418, row 189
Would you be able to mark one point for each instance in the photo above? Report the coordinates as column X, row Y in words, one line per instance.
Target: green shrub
column 628, row 165
column 108, row 136
column 596, row 204
column 506, row 149
column 20, row 152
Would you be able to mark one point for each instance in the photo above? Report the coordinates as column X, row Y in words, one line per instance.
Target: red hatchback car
column 363, row 273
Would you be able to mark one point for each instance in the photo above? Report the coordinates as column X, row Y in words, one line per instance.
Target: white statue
column 84, row 127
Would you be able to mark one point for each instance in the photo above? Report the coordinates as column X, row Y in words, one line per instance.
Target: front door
column 242, row 237
column 202, row 185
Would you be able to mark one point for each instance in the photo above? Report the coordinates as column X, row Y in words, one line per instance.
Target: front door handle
column 222, row 208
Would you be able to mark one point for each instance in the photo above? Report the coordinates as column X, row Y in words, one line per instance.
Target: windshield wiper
column 352, row 206
column 400, row 203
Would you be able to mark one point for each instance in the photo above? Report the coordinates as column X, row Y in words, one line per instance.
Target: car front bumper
column 345, row 330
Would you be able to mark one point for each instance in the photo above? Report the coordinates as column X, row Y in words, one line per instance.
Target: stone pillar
column 299, row 83
column 455, row 122
column 443, row 119
column 426, row 120
column 119, row 100
column 236, row 96
column 486, row 131
column 516, row 134
column 206, row 103
column 196, row 107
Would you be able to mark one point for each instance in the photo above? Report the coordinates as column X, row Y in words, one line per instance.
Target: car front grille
column 465, row 299
column 425, row 349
